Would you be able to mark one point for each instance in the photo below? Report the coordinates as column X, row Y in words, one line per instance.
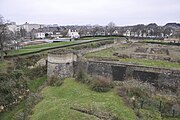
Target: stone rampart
column 160, row 77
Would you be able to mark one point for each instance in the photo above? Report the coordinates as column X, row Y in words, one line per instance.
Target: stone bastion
column 61, row 64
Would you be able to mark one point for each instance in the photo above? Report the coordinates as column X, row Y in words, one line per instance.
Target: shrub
column 54, row 81
column 122, row 91
column 27, row 61
column 32, row 100
column 17, row 74
column 101, row 84
column 136, row 88
column 149, row 115
column 12, row 85
column 36, row 72
column 10, row 66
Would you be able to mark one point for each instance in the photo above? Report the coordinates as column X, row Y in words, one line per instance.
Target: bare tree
column 177, row 34
column 23, row 32
column 138, row 29
column 111, row 27
column 95, row 29
column 167, row 31
column 64, row 32
column 5, row 36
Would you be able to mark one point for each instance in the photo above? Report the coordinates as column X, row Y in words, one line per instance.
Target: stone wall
column 159, row 77
column 103, row 69
column 61, row 65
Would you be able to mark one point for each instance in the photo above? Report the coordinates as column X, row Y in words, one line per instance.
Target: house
column 115, row 32
column 73, row 34
column 127, row 33
column 40, row 35
column 56, row 35
column 28, row 27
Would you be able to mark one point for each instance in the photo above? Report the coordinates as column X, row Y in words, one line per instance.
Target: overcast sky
column 82, row 12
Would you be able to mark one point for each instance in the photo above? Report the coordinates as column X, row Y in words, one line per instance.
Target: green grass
column 33, row 85
column 58, row 100
column 108, row 53
column 4, row 65
column 103, row 53
column 34, row 48
column 91, row 38
column 154, row 63
column 95, row 38
column 47, row 45
column 171, row 119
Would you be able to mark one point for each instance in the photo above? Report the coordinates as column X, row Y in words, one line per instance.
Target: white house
column 73, row 34
column 127, row 33
column 115, row 32
column 40, row 35
column 56, row 35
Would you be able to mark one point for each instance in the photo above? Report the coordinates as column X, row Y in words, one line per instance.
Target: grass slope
column 58, row 100
column 33, row 48
column 33, row 85
column 4, row 66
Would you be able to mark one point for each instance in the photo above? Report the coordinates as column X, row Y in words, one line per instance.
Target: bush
column 149, row 115
column 36, row 72
column 136, row 88
column 32, row 100
column 54, row 81
column 24, row 62
column 122, row 91
column 101, row 84
column 12, row 85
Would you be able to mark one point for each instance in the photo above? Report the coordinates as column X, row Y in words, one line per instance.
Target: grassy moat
column 58, row 101
column 74, row 99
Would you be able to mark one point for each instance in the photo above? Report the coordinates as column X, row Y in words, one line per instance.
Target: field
column 34, row 48
column 58, row 101
column 125, row 49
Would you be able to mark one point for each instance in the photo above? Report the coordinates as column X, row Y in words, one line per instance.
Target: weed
column 101, row 84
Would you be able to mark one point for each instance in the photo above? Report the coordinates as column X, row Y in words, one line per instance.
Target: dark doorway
column 118, row 73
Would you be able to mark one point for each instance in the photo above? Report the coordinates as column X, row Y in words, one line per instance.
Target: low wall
column 159, row 77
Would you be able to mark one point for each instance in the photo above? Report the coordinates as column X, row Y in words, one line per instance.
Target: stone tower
column 61, row 64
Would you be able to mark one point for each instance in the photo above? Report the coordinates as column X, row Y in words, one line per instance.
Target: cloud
column 122, row 12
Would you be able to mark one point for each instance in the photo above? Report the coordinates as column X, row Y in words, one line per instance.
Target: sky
column 83, row 12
